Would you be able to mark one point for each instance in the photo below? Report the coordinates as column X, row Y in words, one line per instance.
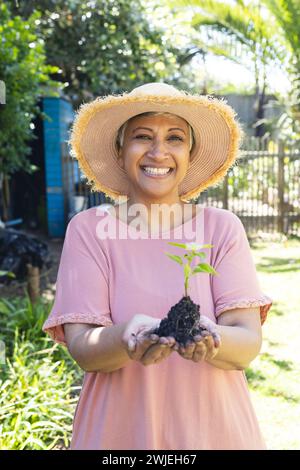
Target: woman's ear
column 120, row 160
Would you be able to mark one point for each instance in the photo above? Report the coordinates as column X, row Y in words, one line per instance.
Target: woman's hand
column 158, row 351
column 144, row 346
column 204, row 346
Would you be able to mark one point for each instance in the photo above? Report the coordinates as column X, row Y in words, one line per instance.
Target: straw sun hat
column 217, row 136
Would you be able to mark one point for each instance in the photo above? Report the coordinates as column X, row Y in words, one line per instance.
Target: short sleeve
column 82, row 285
column 237, row 285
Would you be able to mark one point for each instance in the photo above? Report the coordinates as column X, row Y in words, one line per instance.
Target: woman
column 156, row 148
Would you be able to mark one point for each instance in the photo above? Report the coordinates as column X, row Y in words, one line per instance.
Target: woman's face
column 150, row 143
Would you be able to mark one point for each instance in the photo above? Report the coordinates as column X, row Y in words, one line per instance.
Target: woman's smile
column 156, row 172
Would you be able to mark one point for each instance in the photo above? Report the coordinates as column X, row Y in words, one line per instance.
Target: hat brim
column 94, row 131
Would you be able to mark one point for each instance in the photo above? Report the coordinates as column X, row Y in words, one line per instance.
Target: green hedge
column 39, row 381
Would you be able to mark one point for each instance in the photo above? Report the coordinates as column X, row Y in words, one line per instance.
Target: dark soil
column 182, row 321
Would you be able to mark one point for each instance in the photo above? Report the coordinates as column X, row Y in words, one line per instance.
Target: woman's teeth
column 156, row 171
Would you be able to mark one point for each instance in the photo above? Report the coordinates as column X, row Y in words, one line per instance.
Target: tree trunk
column 33, row 282
column 259, row 110
column 4, row 197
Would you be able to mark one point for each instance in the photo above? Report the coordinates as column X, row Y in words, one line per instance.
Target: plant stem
column 186, row 287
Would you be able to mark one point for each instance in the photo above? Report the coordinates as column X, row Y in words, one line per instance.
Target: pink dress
column 177, row 404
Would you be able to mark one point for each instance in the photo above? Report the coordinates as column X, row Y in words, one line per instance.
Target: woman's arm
column 96, row 348
column 106, row 349
column 241, row 338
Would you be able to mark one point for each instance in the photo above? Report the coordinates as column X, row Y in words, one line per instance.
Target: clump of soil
column 182, row 321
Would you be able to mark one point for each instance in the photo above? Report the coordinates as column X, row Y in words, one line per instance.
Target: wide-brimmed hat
column 217, row 136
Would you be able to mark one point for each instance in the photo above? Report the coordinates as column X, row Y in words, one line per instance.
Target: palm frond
column 287, row 14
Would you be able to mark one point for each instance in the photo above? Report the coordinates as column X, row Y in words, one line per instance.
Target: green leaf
column 181, row 245
column 4, row 308
column 45, row 423
column 7, row 273
column 175, row 258
column 33, row 443
column 189, row 246
column 204, row 268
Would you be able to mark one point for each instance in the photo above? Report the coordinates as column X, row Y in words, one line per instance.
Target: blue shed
column 55, row 134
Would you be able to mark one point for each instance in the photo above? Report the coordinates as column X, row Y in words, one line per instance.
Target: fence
column 262, row 188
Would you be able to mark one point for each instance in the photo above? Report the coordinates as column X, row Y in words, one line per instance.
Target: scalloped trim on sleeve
column 54, row 326
column 264, row 303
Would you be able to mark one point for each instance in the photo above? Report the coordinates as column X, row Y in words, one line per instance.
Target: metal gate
column 262, row 188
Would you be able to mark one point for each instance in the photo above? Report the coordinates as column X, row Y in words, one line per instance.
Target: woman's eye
column 177, row 137
column 142, row 135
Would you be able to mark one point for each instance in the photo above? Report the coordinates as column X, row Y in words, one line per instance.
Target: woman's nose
column 158, row 147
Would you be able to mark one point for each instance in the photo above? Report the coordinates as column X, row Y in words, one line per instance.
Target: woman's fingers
column 138, row 345
column 210, row 328
column 145, row 352
column 215, row 335
column 217, row 340
column 203, row 347
column 140, row 327
column 155, row 353
column 211, row 349
column 187, row 351
column 166, row 352
column 168, row 341
column 199, row 351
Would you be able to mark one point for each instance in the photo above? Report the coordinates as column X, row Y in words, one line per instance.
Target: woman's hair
column 121, row 131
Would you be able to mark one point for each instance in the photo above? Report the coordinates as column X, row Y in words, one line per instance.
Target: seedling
column 183, row 319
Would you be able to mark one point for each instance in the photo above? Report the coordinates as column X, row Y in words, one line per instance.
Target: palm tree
column 287, row 14
column 261, row 33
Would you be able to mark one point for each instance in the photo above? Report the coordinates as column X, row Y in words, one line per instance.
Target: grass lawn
column 274, row 376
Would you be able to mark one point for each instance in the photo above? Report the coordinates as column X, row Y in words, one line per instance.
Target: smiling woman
column 158, row 146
